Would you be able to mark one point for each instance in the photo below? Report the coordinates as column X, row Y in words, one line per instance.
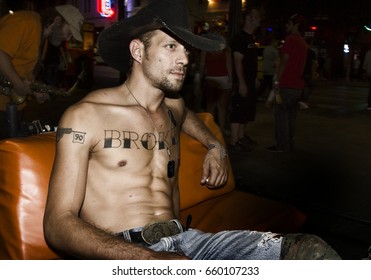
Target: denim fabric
column 285, row 118
column 224, row 245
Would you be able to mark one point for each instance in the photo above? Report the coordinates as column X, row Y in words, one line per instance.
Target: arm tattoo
column 62, row 131
column 78, row 136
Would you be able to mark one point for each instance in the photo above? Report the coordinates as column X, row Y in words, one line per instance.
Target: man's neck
column 148, row 97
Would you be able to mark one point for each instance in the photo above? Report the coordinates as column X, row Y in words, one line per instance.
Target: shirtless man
column 113, row 152
column 114, row 185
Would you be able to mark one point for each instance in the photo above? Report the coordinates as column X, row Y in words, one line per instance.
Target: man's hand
column 40, row 97
column 215, row 167
column 23, row 88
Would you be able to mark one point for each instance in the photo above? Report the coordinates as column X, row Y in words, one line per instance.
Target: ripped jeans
column 224, row 245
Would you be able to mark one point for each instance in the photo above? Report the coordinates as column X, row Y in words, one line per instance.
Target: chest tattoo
column 133, row 140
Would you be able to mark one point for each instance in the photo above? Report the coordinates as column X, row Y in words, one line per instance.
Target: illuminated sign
column 346, row 48
column 105, row 8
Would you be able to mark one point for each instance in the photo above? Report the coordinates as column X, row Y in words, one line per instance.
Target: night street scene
column 328, row 175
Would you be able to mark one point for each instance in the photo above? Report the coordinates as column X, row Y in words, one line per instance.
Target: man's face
column 255, row 19
column 165, row 62
column 61, row 33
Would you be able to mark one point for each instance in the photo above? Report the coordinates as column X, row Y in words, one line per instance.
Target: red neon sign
column 104, row 8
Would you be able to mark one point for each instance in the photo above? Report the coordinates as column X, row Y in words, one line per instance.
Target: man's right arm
column 8, row 71
column 238, row 66
column 63, row 228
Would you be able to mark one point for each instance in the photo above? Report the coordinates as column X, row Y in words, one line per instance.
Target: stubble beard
column 162, row 80
column 164, row 83
column 167, row 86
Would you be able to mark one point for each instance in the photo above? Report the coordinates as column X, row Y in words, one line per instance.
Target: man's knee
column 306, row 247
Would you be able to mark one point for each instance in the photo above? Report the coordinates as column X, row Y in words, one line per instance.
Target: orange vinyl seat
column 25, row 167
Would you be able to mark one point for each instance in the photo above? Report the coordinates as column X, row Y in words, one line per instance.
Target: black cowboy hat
column 169, row 15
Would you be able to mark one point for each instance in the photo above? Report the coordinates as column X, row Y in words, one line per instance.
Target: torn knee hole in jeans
column 269, row 236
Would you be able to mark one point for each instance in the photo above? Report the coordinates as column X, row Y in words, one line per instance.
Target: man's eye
column 171, row 46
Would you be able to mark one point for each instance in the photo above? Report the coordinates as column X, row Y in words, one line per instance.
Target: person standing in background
column 21, row 35
column 245, row 58
column 270, row 61
column 289, row 84
column 309, row 75
column 216, row 69
column 367, row 73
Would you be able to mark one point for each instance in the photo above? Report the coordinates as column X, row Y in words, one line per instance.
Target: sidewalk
column 328, row 176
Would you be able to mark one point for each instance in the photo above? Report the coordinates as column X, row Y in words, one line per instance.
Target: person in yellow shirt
column 22, row 34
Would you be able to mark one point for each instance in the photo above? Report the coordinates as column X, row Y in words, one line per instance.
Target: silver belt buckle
column 153, row 232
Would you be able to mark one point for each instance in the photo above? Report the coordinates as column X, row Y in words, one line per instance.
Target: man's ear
column 136, row 48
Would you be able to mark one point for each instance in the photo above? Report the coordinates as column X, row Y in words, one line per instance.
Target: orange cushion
column 192, row 154
column 25, row 166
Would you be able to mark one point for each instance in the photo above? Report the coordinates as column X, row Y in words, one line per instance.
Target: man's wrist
column 223, row 151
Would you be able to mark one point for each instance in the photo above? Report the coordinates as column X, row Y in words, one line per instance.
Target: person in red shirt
column 289, row 84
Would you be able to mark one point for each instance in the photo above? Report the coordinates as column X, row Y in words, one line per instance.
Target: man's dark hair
column 248, row 11
column 300, row 20
column 145, row 38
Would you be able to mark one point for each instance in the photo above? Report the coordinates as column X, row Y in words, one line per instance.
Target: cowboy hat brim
column 113, row 42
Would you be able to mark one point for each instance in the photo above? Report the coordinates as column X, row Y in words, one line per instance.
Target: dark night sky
column 344, row 10
column 334, row 8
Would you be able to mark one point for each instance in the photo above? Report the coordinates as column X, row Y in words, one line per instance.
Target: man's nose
column 183, row 57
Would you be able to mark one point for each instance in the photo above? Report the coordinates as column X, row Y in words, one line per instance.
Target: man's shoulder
column 95, row 100
column 105, row 96
column 90, row 113
column 294, row 40
column 241, row 42
column 294, row 37
column 22, row 16
column 242, row 35
column 22, row 22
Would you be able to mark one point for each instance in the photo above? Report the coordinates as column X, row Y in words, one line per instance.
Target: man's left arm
column 215, row 167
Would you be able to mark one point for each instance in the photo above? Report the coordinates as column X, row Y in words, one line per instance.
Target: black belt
column 153, row 232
